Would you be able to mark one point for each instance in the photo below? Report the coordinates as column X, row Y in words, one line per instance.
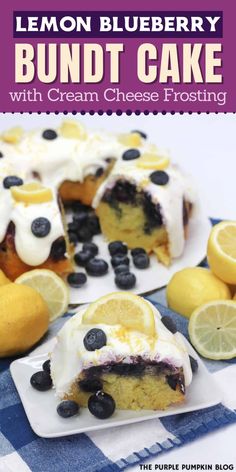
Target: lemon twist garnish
column 32, row 193
column 130, row 139
column 153, row 161
column 73, row 130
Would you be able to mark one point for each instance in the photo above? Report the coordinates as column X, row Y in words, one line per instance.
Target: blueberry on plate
column 76, row 279
column 67, row 408
column 49, row 134
column 194, row 364
column 141, row 133
column 58, row 249
column 47, row 366
column 141, row 261
column 125, row 281
column 95, row 339
column 90, row 385
column 117, row 247
column 119, row 259
column 91, row 247
column 41, row 381
column 159, row 177
column 137, row 250
column 101, row 405
column 73, row 238
column 80, row 218
column 169, row 324
column 81, row 258
column 93, row 224
column 84, row 234
column 41, row 227
column 96, row 267
column 12, row 181
column 121, row 269
column 131, row 154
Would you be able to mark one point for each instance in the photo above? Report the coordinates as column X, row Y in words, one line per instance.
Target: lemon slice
column 73, row 130
column 130, row 139
column 52, row 288
column 221, row 251
column 31, row 193
column 212, row 330
column 123, row 308
column 153, row 161
column 13, row 135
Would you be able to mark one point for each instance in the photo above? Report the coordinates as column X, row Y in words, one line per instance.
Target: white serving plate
column 153, row 278
column 40, row 407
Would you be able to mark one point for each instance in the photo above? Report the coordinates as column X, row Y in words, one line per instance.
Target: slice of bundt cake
column 119, row 346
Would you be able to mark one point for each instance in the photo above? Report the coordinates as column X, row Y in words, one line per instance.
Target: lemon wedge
column 126, row 309
column 153, row 161
column 51, row 287
column 31, row 193
column 221, row 251
column 212, row 330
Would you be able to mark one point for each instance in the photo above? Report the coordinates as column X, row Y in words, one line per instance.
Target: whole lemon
column 191, row 287
column 3, row 279
column 24, row 318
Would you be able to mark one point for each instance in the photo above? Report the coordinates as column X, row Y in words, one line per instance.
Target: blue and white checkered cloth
column 111, row 450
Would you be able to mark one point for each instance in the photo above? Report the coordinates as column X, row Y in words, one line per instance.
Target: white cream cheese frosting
column 70, row 357
column 54, row 161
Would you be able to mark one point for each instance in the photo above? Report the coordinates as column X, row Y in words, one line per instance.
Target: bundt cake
column 139, row 197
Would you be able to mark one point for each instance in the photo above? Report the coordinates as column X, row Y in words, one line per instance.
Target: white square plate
column 40, row 407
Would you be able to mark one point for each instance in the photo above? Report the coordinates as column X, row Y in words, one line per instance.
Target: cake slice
column 119, row 347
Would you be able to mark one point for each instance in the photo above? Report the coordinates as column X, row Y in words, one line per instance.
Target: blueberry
column 95, row 339
column 141, row 261
column 67, row 408
column 78, row 207
column 141, row 133
column 1, row 154
column 119, row 259
column 128, row 369
column 172, row 381
column 131, row 154
column 49, row 134
column 80, row 218
column 58, row 249
column 41, row 381
column 93, row 224
column 73, row 238
column 117, row 247
column 194, row 364
column 169, row 324
column 124, row 192
column 40, row 227
column 91, row 247
column 101, row 405
column 90, row 385
column 84, row 234
column 137, row 250
column 12, row 180
column 99, row 172
column 76, row 279
column 159, row 177
column 125, row 280
column 121, row 269
column 81, row 258
column 97, row 267
column 47, row 366
column 73, row 226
